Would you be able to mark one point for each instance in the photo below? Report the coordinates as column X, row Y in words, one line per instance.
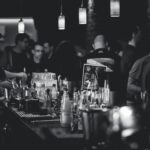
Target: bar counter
column 36, row 132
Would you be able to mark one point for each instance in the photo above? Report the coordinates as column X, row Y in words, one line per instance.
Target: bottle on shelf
column 49, row 100
column 106, row 98
column 66, row 115
column 6, row 95
column 66, row 84
column 54, row 92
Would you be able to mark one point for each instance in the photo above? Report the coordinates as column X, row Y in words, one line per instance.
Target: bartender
column 102, row 56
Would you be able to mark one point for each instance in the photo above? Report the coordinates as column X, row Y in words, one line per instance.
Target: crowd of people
column 130, row 70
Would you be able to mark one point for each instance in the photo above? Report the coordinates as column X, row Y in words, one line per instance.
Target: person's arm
column 15, row 75
column 5, row 84
column 132, row 87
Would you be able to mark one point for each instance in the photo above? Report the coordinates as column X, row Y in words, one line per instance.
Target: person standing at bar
column 36, row 63
column 136, row 74
column 4, row 75
column 16, row 54
column 130, row 55
column 66, row 63
column 48, row 55
column 103, row 55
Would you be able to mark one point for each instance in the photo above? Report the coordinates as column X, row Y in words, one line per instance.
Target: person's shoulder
column 138, row 64
column 141, row 60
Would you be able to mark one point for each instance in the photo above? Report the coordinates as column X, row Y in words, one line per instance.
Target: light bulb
column 115, row 8
column 61, row 22
column 82, row 16
column 21, row 26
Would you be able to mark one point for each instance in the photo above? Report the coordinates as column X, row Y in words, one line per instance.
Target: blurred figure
column 36, row 63
column 48, row 49
column 102, row 55
column 80, row 55
column 16, row 58
column 136, row 80
column 66, row 63
column 101, row 51
column 130, row 54
column 66, row 60
column 4, row 75
column 48, row 55
column 136, row 74
column 30, row 48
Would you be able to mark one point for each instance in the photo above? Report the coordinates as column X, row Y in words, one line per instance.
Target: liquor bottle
column 74, row 121
column 6, row 97
column 26, row 93
column 54, row 92
column 66, row 115
column 106, row 99
column 83, row 104
column 66, row 84
column 49, row 100
column 33, row 92
column 23, row 81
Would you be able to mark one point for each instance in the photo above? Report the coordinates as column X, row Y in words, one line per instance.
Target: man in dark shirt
column 16, row 55
column 130, row 55
column 135, row 80
column 36, row 63
column 48, row 56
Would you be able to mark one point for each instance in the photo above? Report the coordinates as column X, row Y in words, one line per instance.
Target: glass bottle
column 106, row 93
column 66, row 115
column 54, row 92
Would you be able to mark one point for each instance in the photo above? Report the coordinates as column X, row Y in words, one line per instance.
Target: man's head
column 48, row 47
column 99, row 42
column 38, row 51
column 22, row 41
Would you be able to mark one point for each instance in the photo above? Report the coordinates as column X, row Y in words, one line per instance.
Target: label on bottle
column 80, row 124
column 65, row 119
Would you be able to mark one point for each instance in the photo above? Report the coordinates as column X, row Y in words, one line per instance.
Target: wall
column 9, row 29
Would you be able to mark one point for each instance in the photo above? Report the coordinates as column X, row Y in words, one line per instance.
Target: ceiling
column 45, row 13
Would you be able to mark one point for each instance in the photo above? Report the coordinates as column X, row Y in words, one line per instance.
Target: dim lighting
column 82, row 14
column 61, row 22
column 21, row 26
column 115, row 8
column 61, row 19
column 126, row 117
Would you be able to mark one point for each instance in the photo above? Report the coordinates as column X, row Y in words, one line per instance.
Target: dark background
column 45, row 13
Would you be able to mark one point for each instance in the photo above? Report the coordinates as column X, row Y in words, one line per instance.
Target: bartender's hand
column 6, row 84
column 22, row 75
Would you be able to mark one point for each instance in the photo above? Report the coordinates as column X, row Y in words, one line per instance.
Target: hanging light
column 115, row 8
column 82, row 15
column 61, row 22
column 21, row 26
column 61, row 19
